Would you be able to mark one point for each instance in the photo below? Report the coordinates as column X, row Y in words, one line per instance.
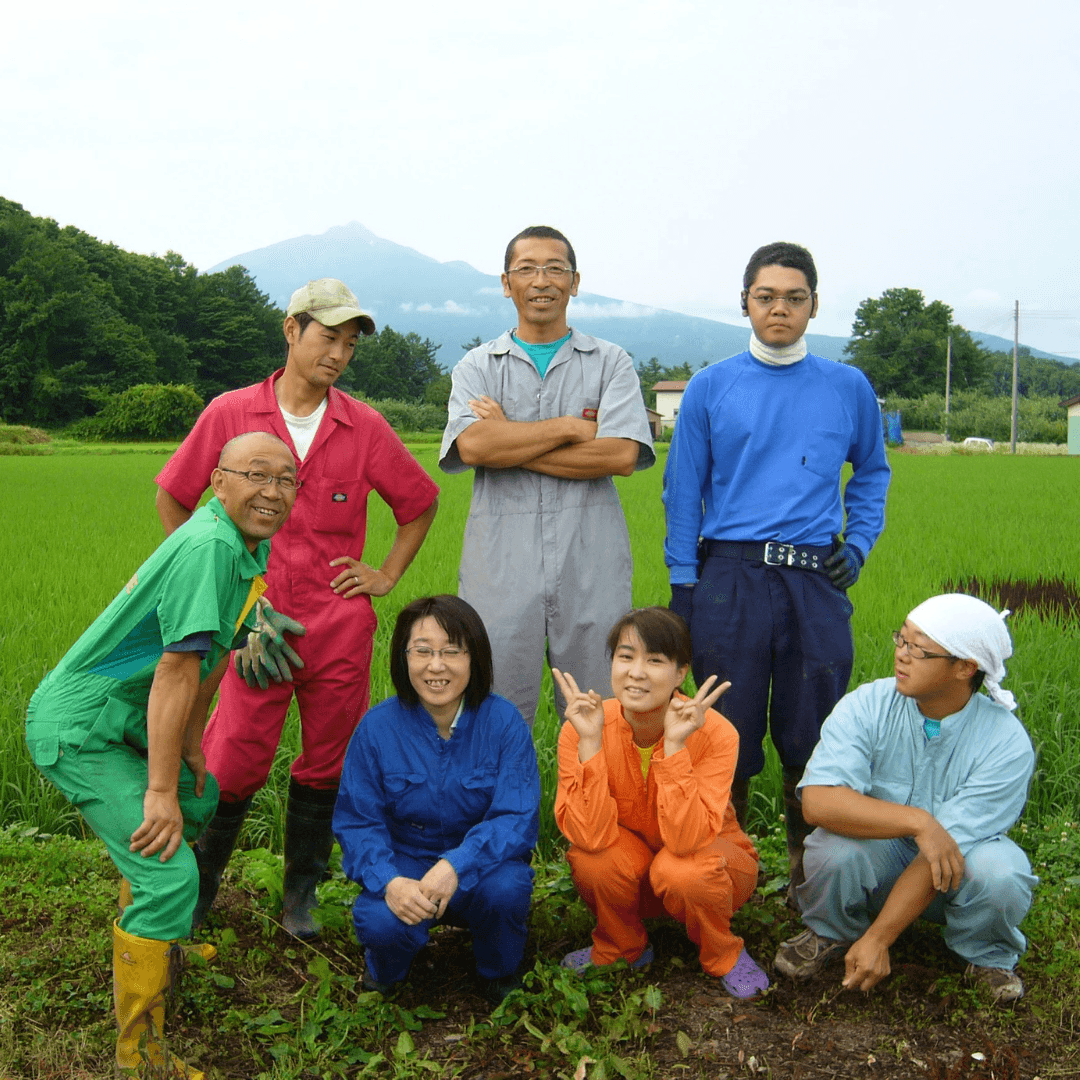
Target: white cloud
column 490, row 290
column 450, row 307
column 617, row 309
column 406, row 307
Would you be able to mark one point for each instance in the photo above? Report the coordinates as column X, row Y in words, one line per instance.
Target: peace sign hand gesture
column 684, row 717
column 585, row 711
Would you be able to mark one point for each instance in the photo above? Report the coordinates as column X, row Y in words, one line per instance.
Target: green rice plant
column 82, row 524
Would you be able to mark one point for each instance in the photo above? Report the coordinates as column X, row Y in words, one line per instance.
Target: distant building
column 1073, row 405
column 669, row 399
column 656, row 422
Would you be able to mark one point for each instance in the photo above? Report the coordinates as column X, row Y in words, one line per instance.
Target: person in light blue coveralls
column 754, row 518
column 439, row 804
column 914, row 786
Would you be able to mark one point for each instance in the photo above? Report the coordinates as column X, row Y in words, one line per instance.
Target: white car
column 974, row 440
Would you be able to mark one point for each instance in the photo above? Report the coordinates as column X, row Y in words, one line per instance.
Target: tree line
column 86, row 328
column 900, row 341
column 81, row 322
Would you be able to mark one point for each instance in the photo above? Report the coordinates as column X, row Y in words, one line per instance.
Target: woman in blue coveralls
column 438, row 808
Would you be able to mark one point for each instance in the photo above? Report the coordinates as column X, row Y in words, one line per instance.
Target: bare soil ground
column 267, row 997
column 922, row 1022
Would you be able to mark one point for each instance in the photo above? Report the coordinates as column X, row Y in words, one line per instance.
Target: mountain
column 999, row 344
column 453, row 302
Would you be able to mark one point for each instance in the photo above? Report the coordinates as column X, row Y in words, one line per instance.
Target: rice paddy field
column 77, row 524
column 75, row 527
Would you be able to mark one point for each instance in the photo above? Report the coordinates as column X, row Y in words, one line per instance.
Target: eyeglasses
column 793, row 300
column 917, row 651
column 261, row 479
column 424, row 653
column 555, row 272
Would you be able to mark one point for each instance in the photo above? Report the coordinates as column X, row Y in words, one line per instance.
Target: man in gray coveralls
column 546, row 416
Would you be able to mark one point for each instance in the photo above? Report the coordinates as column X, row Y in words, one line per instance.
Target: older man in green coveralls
column 117, row 725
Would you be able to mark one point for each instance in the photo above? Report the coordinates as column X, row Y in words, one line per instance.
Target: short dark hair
column 463, row 627
column 303, row 319
column 977, row 681
column 540, row 232
column 661, row 631
column 793, row 256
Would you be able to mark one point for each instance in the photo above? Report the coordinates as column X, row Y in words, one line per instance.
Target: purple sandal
column 745, row 979
column 580, row 960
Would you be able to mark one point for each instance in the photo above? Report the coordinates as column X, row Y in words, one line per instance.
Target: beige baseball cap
column 330, row 302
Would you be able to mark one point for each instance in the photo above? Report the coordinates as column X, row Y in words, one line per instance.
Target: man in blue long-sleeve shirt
column 754, row 520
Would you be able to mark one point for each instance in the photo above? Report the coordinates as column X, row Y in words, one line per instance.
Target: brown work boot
column 804, row 955
column 1005, row 986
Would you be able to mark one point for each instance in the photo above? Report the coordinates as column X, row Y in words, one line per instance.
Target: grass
column 79, row 524
column 268, row 1009
column 84, row 523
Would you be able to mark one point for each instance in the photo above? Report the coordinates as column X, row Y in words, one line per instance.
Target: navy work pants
column 496, row 911
column 783, row 637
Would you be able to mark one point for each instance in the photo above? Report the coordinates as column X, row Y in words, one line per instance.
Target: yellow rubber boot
column 140, row 979
column 201, row 948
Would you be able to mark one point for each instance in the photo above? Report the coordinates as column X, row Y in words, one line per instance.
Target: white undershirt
column 782, row 357
column 303, row 428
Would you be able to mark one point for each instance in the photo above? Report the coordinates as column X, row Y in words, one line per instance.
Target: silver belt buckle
column 784, row 554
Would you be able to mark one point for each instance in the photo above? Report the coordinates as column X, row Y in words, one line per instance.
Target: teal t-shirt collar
column 542, row 355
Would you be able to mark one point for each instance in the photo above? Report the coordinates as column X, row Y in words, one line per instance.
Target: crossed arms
column 564, row 446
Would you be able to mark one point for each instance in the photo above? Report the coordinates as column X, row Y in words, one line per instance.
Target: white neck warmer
column 972, row 630
column 782, row 357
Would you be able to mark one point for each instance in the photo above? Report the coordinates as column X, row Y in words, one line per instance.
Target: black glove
column 682, row 601
column 844, row 564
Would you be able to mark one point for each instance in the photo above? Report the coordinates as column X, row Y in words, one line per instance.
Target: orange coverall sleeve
column 693, row 787
column 585, row 810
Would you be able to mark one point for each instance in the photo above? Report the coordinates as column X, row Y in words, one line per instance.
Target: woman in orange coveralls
column 644, row 799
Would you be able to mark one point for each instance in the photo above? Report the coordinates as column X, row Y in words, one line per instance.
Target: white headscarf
column 971, row 630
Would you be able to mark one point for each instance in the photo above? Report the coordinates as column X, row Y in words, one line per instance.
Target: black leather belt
column 771, row 553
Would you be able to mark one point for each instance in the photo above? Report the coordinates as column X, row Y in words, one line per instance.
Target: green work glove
column 267, row 654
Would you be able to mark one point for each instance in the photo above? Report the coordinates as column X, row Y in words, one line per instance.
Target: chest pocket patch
column 338, row 505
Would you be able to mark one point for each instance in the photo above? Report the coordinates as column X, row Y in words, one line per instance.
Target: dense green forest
column 86, row 326
column 106, row 342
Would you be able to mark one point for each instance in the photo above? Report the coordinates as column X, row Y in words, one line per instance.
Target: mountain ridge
column 453, row 302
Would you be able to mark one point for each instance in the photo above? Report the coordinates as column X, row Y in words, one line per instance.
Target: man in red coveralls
column 315, row 578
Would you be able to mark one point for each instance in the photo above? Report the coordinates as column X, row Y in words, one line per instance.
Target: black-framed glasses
column 262, row 479
column 793, row 300
column 554, row 272
column 917, row 651
column 425, row 653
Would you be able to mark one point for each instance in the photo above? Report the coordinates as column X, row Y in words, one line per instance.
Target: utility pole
column 1016, row 352
column 948, row 383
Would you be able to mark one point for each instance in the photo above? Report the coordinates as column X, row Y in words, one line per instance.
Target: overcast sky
column 925, row 145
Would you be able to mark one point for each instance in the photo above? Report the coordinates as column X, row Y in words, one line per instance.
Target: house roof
column 676, row 384
column 1070, row 403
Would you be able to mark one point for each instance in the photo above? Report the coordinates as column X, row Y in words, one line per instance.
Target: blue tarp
column 893, row 435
